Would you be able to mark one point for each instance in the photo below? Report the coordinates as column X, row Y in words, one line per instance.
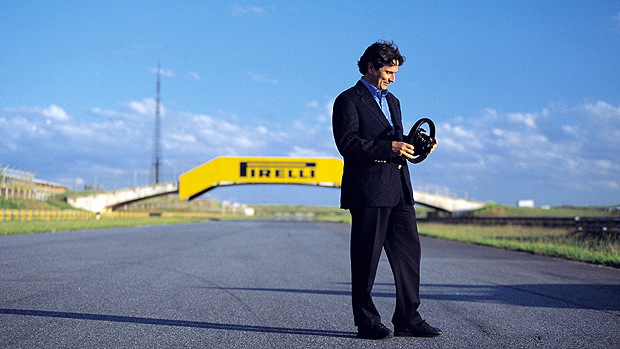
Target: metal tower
column 157, row 163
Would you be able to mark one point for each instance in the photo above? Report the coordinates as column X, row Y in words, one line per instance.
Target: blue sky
column 525, row 95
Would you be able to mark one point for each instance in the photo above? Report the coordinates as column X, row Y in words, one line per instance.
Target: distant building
column 43, row 189
column 525, row 203
column 18, row 184
column 93, row 187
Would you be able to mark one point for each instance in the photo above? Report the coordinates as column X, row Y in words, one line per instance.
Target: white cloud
column 527, row 119
column 597, row 125
column 238, row 10
column 329, row 108
column 312, row 104
column 162, row 72
column 146, row 107
column 299, row 152
column 193, row 75
column 183, row 138
column 324, row 110
column 551, row 153
column 104, row 113
column 53, row 112
column 261, row 78
column 457, row 138
column 604, row 110
column 604, row 164
column 570, row 130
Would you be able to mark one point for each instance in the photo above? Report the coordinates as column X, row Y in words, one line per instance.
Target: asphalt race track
column 282, row 284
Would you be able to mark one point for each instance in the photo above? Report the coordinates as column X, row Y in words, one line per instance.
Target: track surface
column 270, row 284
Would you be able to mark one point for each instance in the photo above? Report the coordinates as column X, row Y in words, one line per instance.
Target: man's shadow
column 177, row 323
column 574, row 296
column 570, row 296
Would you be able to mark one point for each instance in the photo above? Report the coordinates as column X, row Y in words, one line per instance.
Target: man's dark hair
column 380, row 53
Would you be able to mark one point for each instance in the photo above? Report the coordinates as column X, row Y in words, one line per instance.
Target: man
column 376, row 189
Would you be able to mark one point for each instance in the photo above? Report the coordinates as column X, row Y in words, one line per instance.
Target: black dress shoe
column 422, row 329
column 374, row 332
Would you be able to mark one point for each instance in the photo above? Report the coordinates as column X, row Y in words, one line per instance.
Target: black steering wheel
column 422, row 142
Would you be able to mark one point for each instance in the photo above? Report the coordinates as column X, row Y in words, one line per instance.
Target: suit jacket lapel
column 369, row 102
column 396, row 117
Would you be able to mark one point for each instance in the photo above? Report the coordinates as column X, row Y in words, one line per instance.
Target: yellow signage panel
column 224, row 171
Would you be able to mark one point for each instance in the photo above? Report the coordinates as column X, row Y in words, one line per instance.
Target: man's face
column 383, row 77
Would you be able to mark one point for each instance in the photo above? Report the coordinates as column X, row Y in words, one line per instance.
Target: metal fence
column 440, row 190
column 18, row 184
column 126, row 179
column 596, row 226
column 12, row 178
column 29, row 215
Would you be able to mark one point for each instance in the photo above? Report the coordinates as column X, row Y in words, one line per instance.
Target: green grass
column 493, row 210
column 561, row 243
column 320, row 213
column 42, row 226
column 56, row 203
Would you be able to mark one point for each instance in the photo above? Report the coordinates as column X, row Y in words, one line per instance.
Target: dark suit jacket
column 372, row 176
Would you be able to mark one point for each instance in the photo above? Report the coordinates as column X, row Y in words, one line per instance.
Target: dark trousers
column 395, row 229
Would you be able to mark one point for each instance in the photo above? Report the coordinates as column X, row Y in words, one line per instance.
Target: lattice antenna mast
column 156, row 164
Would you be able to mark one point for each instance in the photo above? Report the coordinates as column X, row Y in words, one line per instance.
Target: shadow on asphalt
column 575, row 296
column 180, row 323
column 599, row 297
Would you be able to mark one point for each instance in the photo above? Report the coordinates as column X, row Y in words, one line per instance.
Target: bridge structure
column 113, row 200
column 228, row 171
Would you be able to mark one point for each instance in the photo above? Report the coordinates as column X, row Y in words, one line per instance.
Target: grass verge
column 537, row 240
column 42, row 226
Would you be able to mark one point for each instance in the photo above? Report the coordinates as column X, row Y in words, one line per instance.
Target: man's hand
column 434, row 146
column 402, row 148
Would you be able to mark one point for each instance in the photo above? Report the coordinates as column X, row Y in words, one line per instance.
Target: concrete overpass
column 227, row 171
column 446, row 203
column 112, row 200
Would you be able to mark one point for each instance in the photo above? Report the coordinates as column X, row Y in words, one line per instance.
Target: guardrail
column 588, row 225
column 598, row 226
column 28, row 215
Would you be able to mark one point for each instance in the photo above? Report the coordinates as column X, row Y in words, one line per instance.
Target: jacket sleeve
column 356, row 141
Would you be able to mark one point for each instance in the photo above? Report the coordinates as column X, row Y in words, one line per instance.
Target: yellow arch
column 224, row 171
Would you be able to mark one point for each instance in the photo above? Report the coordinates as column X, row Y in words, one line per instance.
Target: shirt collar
column 375, row 91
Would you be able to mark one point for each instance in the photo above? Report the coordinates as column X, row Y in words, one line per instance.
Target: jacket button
column 400, row 166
